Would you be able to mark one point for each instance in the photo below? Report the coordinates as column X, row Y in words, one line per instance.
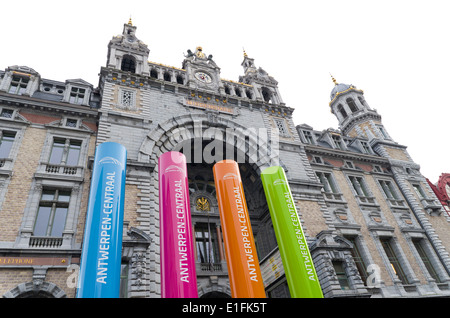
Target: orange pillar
column 242, row 260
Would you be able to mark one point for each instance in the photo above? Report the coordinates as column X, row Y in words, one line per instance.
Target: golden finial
column 334, row 80
column 245, row 54
column 130, row 22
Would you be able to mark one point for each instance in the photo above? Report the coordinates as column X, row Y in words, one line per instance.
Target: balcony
column 60, row 171
column 45, row 242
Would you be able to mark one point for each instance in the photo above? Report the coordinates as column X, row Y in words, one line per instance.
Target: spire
column 334, row 80
column 130, row 22
column 245, row 54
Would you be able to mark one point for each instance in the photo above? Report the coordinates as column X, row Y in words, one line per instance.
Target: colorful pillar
column 102, row 244
column 242, row 260
column 178, row 275
column 297, row 262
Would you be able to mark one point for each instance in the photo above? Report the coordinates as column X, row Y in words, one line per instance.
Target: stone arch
column 187, row 128
column 35, row 289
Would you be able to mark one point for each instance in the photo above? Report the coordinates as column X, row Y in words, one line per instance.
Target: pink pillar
column 178, row 275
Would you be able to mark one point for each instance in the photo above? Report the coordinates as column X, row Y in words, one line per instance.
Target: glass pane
column 40, row 227
column 48, row 195
column 6, row 144
column 59, row 221
column 72, row 156
column 57, row 151
column 64, row 196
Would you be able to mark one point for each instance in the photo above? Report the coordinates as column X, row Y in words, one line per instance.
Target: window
column 308, row 137
column 65, row 152
column 419, row 191
column 6, row 142
column 338, row 143
column 352, row 105
column 393, row 260
column 281, row 125
column 52, row 213
column 389, row 189
column 383, row 132
column 357, row 257
column 127, row 98
column 327, row 181
column 180, row 80
column 206, row 243
column 167, row 77
column 366, row 148
column 418, row 244
column 18, row 84
column 77, row 95
column 342, row 111
column 70, row 122
column 6, row 113
column 359, row 186
column 128, row 64
column 266, row 94
column 341, row 274
column 124, row 271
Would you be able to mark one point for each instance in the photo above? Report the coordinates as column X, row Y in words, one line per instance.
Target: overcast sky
column 397, row 52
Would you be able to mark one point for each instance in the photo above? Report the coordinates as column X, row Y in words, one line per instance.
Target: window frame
column 54, row 205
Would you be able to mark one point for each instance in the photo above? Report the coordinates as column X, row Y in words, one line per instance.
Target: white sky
column 397, row 51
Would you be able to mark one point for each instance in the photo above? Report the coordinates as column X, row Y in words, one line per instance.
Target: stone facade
column 373, row 223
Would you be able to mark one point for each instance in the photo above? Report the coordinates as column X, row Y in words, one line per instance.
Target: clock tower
column 202, row 72
column 127, row 53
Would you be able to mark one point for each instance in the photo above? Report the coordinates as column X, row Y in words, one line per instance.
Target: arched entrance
column 205, row 142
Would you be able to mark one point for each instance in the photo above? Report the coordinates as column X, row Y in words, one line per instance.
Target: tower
column 127, row 53
column 265, row 87
column 355, row 116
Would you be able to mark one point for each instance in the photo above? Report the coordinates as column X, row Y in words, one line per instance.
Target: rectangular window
column 18, row 85
column 359, row 186
column 419, row 191
column 327, row 181
column 65, row 152
column 52, row 213
column 206, row 243
column 124, row 271
column 383, row 132
column 6, row 113
column 281, row 125
column 394, row 260
column 357, row 257
column 77, row 95
column 338, row 142
column 366, row 148
column 388, row 189
column 127, row 99
column 6, row 142
column 308, row 137
column 426, row 260
column 341, row 275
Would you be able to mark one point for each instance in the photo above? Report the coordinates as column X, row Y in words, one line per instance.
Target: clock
column 203, row 77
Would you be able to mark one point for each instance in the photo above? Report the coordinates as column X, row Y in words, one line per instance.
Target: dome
column 339, row 88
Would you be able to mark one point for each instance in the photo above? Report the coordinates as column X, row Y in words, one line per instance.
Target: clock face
column 203, row 77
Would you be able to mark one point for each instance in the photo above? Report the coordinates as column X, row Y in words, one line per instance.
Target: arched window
column 153, row 73
column 238, row 92
column 249, row 94
column 128, row 64
column 167, row 76
column 342, row 111
column 227, row 90
column 180, row 79
column 266, row 94
column 352, row 105
column 362, row 101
